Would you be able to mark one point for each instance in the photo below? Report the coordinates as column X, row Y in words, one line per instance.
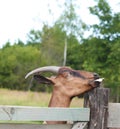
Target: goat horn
column 53, row 69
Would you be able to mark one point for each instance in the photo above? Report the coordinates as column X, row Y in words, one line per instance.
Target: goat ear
column 42, row 79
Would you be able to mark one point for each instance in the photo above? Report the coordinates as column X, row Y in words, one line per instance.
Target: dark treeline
column 99, row 53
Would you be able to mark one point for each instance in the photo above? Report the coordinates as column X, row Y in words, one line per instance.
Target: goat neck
column 58, row 99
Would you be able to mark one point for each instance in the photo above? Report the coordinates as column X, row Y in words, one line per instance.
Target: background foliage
column 100, row 52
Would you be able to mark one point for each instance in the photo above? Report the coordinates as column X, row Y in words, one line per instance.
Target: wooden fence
column 97, row 114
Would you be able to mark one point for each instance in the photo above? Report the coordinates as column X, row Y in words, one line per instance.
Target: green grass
column 22, row 98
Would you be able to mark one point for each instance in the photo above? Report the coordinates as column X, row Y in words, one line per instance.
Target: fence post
column 97, row 100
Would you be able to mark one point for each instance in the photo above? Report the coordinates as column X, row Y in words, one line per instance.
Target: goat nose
column 96, row 76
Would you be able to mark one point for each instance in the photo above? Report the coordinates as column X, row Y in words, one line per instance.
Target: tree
column 52, row 44
column 109, row 25
column 71, row 23
column 114, row 69
column 34, row 37
column 15, row 62
column 108, row 32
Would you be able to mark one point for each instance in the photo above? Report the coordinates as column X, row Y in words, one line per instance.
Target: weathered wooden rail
column 24, row 114
column 97, row 114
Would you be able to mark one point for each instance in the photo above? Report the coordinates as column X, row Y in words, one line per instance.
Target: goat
column 67, row 84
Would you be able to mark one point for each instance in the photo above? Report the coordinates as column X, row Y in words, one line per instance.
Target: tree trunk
column 65, row 52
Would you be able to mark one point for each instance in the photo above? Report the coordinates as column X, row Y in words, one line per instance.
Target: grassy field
column 22, row 98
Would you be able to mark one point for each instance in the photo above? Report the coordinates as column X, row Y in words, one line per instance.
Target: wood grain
column 22, row 113
column 114, row 115
column 97, row 101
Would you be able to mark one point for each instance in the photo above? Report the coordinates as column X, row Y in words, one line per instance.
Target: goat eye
column 66, row 74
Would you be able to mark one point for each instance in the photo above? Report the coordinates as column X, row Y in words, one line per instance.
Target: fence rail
column 23, row 113
column 114, row 115
column 34, row 126
column 11, row 115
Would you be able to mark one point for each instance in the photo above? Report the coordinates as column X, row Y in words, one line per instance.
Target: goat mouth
column 98, row 81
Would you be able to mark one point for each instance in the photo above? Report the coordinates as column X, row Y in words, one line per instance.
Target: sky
column 18, row 17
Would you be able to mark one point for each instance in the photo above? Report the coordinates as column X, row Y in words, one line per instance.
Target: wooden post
column 97, row 100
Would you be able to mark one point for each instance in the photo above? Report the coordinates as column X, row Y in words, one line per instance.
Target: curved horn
column 53, row 69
